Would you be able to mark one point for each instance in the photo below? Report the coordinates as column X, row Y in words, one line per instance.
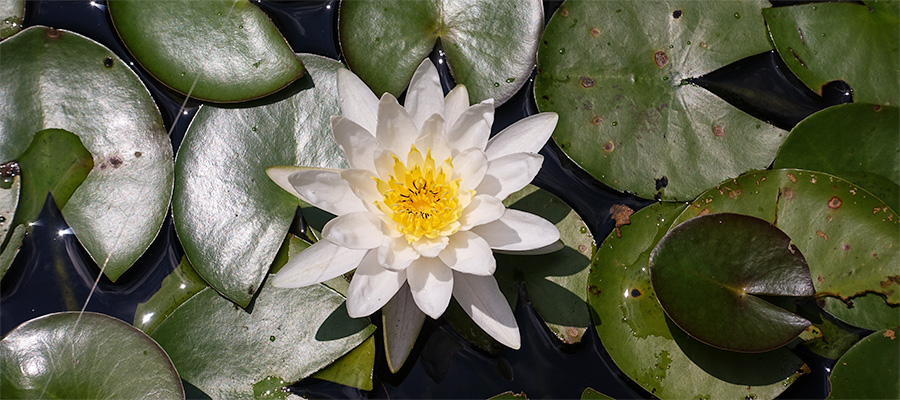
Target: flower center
column 420, row 197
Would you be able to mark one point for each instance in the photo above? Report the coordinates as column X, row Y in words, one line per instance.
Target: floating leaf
column 231, row 218
column 590, row 393
column 835, row 337
column 709, row 272
column 61, row 80
column 11, row 14
column 353, row 369
column 848, row 236
column 855, row 141
column 215, row 50
column 867, row 311
column 177, row 288
column 509, row 395
column 869, row 369
column 856, row 43
column 10, row 187
column 617, row 71
column 89, row 356
column 490, row 45
column 8, row 254
column 648, row 347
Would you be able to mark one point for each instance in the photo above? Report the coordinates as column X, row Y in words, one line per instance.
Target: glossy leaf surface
column 652, row 350
column 10, row 187
column 62, row 356
column 869, row 369
column 61, row 80
column 709, row 271
column 215, row 50
column 616, row 72
column 177, row 288
column 353, row 369
column 11, row 14
column 856, row 43
column 231, row 218
column 490, row 45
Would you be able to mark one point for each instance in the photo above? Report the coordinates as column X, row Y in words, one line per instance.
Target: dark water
column 53, row 273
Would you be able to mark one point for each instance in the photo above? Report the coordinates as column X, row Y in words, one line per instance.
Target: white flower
column 421, row 201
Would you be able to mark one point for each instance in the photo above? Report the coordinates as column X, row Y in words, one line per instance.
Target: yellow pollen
column 420, row 196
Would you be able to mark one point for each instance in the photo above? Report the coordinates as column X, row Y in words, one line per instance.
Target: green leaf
column 869, row 369
column 709, row 272
column 855, row 141
column 490, row 45
column 509, row 395
column 55, row 79
column 835, row 339
column 215, row 50
column 353, row 369
column 648, row 347
column 855, row 43
column 177, row 288
column 869, row 311
column 90, row 356
column 231, row 218
column 848, row 236
column 617, row 74
column 590, row 393
column 8, row 254
column 10, row 187
column 11, row 14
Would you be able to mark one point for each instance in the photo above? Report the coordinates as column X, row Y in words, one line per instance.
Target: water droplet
column 496, row 84
column 562, row 51
column 671, row 46
column 615, row 123
column 253, row 129
column 737, row 16
column 609, row 43
column 510, row 80
column 582, row 229
column 618, row 10
column 718, row 34
column 271, row 338
column 689, row 42
column 183, row 73
column 665, row 78
column 241, row 26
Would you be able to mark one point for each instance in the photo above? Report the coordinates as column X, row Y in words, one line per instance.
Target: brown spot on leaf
column 587, row 82
column 564, row 12
column 636, row 292
column 890, row 334
column 595, row 32
column 660, row 58
column 788, row 193
column 609, row 146
column 821, row 234
column 734, row 193
column 622, row 215
column 596, row 120
column 834, row 203
column 877, row 107
column 794, row 53
column 138, row 154
column 820, row 279
column 703, row 212
column 677, row 14
column 800, row 32
column 10, row 169
column 52, row 33
column 718, row 130
column 792, row 178
column 891, row 280
column 594, row 290
column 846, row 247
column 116, row 161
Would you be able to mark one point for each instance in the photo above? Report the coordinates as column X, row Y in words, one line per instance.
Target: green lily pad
column 855, row 43
column 177, row 288
column 648, row 347
column 231, row 218
column 848, row 236
column 709, row 272
column 509, row 395
column 490, row 45
column 10, row 187
column 855, row 141
column 215, row 50
column 867, row 311
column 11, row 14
column 55, row 79
column 617, row 74
column 869, row 369
column 591, row 393
column 835, row 339
column 90, row 356
column 8, row 254
column 353, row 369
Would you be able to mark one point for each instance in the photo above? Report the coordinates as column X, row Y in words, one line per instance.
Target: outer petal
column 433, row 136
column 518, row 230
column 469, row 253
column 473, row 127
column 425, row 97
column 481, row 298
column 359, row 230
column 356, row 142
column 319, row 263
column 358, row 103
column 372, row 286
column 431, row 284
column 402, row 320
column 483, row 209
column 430, row 247
column 281, row 176
column 327, row 190
column 396, row 254
column 455, row 103
column 527, row 135
column 469, row 166
column 396, row 131
column 364, row 187
column 509, row 173
column 550, row 248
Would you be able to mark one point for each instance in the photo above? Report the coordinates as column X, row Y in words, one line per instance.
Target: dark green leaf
column 868, row 311
column 353, row 369
column 509, row 395
column 216, row 50
column 590, row 393
column 10, row 187
column 8, row 254
column 869, row 369
column 89, row 356
column 617, row 71
column 11, row 14
column 177, row 288
column 834, row 339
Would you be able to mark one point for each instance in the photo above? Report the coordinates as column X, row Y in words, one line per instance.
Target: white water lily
column 421, row 202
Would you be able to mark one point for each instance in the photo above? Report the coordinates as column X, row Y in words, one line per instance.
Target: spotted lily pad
column 869, row 369
column 55, row 79
column 89, row 356
column 848, row 236
column 11, row 14
column 855, row 141
column 489, row 44
column 616, row 73
column 648, row 347
column 856, row 43
column 231, row 218
column 216, row 50
column 709, row 272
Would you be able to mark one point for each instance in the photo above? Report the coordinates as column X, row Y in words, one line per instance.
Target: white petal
column 327, row 190
column 359, row 230
column 469, row 253
column 550, row 248
column 425, row 97
column 527, row 135
column 396, row 131
column 364, row 186
column 356, row 142
column 455, row 103
column 319, row 263
column 431, row 284
column 481, row 298
column 430, row 247
column 469, row 166
column 396, row 254
column 433, row 137
column 402, row 320
column 371, row 287
column 384, row 163
column 518, row 230
column 358, row 103
column 483, row 209
column 280, row 175
column 473, row 127
column 509, row 173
